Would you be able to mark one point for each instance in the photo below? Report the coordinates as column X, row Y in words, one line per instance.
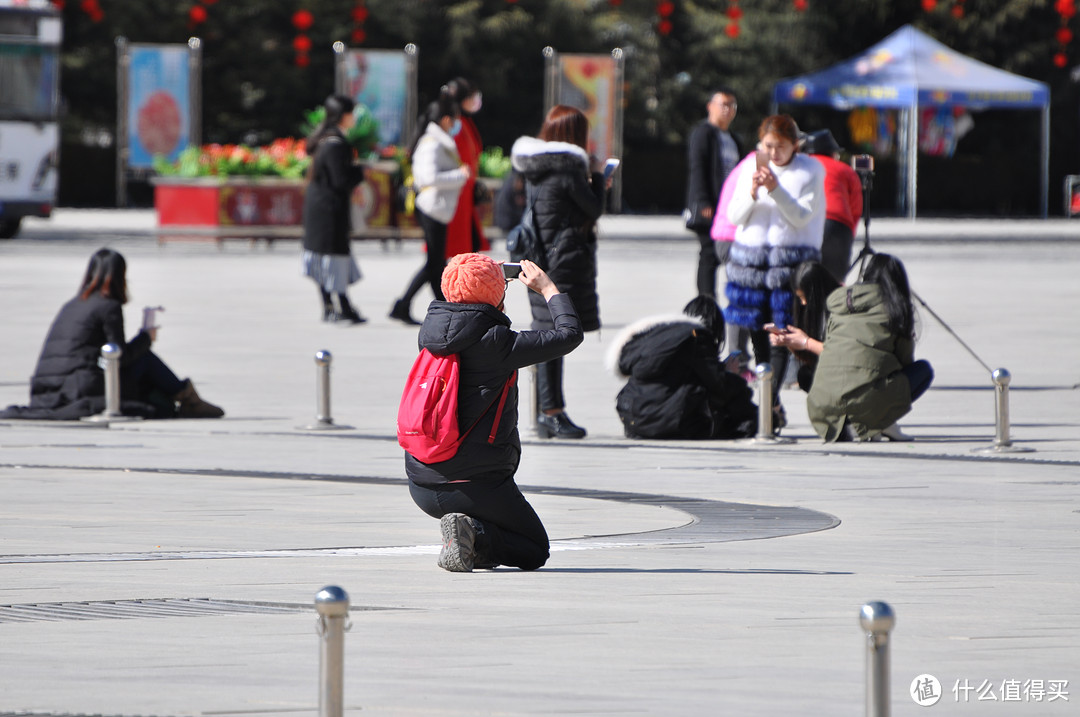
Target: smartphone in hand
column 774, row 329
column 761, row 158
column 511, row 269
column 610, row 167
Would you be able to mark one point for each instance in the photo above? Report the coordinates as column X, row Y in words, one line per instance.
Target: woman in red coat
column 464, row 233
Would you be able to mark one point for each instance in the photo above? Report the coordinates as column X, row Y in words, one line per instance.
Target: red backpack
column 427, row 422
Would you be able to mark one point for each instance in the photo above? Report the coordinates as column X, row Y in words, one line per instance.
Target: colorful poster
column 588, row 83
column 158, row 110
column 377, row 80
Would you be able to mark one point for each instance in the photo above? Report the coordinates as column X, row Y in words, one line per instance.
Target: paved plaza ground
column 169, row 568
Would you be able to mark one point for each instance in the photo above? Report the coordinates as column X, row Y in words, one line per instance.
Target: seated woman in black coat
column 677, row 386
column 68, row 383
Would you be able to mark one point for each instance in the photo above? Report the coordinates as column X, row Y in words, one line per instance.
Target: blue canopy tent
column 908, row 70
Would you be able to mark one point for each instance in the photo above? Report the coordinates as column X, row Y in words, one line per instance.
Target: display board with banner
column 593, row 84
column 159, row 90
column 384, row 81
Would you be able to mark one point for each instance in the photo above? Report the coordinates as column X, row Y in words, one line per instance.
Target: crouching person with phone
column 484, row 518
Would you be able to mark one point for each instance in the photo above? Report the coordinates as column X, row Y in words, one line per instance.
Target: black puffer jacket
column 490, row 351
column 67, row 382
column 326, row 200
column 566, row 204
column 677, row 387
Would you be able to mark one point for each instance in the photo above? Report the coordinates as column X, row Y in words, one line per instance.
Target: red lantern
column 359, row 14
column 197, row 14
column 615, row 3
column 1065, row 8
column 301, row 43
column 1060, row 60
column 958, row 11
column 734, row 13
column 664, row 9
column 732, row 30
column 801, row 5
column 302, row 59
column 358, row 36
column 929, row 5
column 664, row 27
column 1064, row 35
column 89, row 6
column 302, row 20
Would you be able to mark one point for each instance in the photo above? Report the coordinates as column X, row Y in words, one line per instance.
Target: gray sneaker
column 459, row 541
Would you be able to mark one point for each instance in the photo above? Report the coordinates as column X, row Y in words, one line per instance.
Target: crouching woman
column 867, row 376
column 484, row 518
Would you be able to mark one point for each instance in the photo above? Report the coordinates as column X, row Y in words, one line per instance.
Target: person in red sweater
column 843, row 203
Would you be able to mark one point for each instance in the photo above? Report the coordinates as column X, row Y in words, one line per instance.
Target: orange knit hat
column 473, row 279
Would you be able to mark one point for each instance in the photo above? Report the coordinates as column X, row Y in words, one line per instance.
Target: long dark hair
column 816, row 283
column 106, row 275
column 461, row 89
column 888, row 272
column 337, row 106
column 444, row 106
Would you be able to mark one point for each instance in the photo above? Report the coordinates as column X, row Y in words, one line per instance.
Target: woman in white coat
column 779, row 212
column 438, row 176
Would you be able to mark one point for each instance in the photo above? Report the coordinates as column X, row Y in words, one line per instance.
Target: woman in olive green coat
column 867, row 376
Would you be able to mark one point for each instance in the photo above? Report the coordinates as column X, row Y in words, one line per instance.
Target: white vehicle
column 30, row 34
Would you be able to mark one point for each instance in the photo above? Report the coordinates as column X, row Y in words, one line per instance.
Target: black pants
column 775, row 356
column 435, row 241
column 512, row 532
column 549, row 393
column 836, row 248
column 147, row 374
column 707, row 265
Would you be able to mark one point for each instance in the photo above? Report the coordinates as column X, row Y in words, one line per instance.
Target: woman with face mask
column 438, row 176
column 464, row 233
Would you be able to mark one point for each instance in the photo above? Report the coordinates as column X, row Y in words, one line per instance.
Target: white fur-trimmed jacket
column 791, row 215
column 438, row 174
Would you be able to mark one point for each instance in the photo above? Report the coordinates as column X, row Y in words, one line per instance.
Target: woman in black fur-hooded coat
column 566, row 189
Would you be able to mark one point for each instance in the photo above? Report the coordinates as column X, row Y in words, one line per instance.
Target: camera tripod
column 866, row 176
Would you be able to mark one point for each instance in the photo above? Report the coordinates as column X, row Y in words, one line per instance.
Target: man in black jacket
column 485, row 520
column 712, row 152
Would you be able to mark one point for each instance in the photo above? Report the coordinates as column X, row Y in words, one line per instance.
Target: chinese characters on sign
column 926, row 690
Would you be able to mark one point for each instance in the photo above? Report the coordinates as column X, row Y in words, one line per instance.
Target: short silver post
column 1001, row 379
column 322, row 386
column 110, row 363
column 110, row 357
column 877, row 620
column 332, row 604
column 1002, row 442
column 323, row 419
column 534, row 398
column 764, row 374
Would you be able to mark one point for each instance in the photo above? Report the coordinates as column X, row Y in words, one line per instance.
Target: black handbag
column 523, row 241
column 695, row 219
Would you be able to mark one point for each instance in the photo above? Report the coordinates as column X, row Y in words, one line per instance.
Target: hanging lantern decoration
column 734, row 14
column 958, row 9
column 664, row 11
column 196, row 15
column 359, row 17
column 1066, row 9
column 302, row 20
column 93, row 10
column 801, row 5
column 929, row 5
column 614, row 3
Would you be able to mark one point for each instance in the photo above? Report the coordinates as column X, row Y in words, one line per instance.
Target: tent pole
column 1045, row 183
column 913, row 157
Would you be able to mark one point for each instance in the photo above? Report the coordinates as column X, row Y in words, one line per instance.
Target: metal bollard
column 1002, row 442
column 764, row 374
column 332, row 604
column 877, row 619
column 763, row 371
column 323, row 420
column 534, row 399
column 322, row 386
column 110, row 362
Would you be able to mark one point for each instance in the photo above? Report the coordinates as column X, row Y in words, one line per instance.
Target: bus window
column 28, row 76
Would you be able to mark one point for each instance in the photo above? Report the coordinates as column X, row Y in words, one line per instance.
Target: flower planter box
column 215, row 209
